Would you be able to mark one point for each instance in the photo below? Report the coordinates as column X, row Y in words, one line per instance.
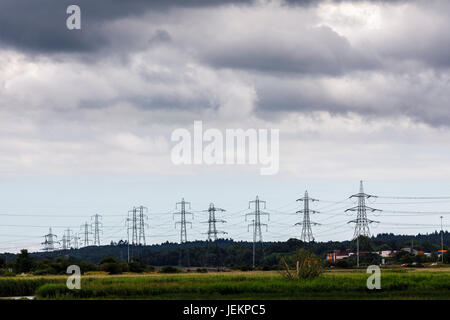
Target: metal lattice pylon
column 307, row 234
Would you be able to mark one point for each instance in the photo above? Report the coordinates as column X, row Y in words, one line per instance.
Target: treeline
column 221, row 253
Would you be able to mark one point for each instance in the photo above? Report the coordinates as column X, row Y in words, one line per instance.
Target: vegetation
column 257, row 285
column 305, row 264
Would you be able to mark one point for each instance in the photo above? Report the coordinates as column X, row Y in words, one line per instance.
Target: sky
column 359, row 90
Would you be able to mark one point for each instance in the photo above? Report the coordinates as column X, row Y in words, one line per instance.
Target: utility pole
column 182, row 223
column 361, row 221
column 256, row 225
column 306, row 235
column 49, row 242
column 212, row 230
column 97, row 230
column 442, row 240
column 87, row 232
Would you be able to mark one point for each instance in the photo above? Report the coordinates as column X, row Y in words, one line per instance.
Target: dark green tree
column 23, row 262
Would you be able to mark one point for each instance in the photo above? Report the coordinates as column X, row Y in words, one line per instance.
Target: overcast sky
column 358, row 90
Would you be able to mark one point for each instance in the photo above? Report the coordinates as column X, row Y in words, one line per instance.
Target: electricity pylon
column 182, row 223
column 97, row 225
column 49, row 242
column 256, row 225
column 142, row 225
column 86, row 232
column 76, row 238
column 306, row 235
column 212, row 228
column 67, row 240
column 213, row 232
column 64, row 242
column 362, row 222
column 134, row 229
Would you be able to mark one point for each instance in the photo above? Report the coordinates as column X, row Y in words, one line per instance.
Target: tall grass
column 12, row 287
column 248, row 286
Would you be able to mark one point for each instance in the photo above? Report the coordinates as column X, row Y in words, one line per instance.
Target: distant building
column 337, row 255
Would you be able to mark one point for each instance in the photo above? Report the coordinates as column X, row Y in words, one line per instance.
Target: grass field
column 348, row 284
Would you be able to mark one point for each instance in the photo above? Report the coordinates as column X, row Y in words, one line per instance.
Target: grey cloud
column 39, row 26
column 315, row 51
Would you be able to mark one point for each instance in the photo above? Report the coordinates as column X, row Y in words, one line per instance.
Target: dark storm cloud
column 40, row 25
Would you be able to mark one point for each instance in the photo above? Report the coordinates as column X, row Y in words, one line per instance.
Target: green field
column 349, row 284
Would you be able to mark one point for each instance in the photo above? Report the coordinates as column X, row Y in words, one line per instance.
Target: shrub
column 169, row 269
column 136, row 267
column 305, row 264
column 342, row 264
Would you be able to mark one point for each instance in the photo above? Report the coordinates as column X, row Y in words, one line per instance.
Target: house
column 335, row 256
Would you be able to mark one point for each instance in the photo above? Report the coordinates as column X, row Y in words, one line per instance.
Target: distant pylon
column 213, row 232
column 67, row 239
column 306, row 235
column 97, row 225
column 64, row 242
column 182, row 223
column 86, row 233
column 49, row 242
column 134, row 228
column 212, row 228
column 76, row 239
column 361, row 221
column 256, row 225
column 137, row 225
column 142, row 225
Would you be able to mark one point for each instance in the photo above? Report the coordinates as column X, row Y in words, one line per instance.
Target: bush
column 136, row 267
column 201, row 270
column 305, row 264
column 169, row 269
column 342, row 264
column 246, row 268
column 149, row 269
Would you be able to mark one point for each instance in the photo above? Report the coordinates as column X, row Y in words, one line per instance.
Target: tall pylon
column 67, row 239
column 213, row 232
column 182, row 223
column 64, row 242
column 49, row 242
column 256, row 225
column 96, row 226
column 212, row 221
column 136, row 223
column 86, row 232
column 142, row 224
column 307, row 234
column 134, row 229
column 361, row 221
column 76, row 240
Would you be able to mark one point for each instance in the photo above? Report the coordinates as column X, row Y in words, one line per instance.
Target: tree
column 23, row 262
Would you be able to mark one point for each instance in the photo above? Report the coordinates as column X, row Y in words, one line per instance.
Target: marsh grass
column 261, row 286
